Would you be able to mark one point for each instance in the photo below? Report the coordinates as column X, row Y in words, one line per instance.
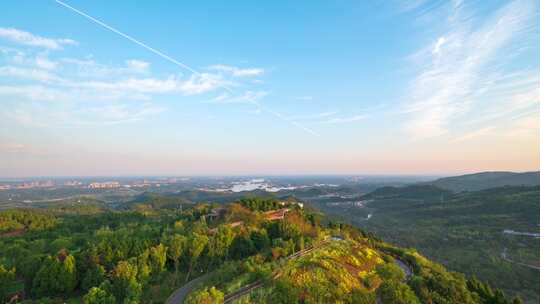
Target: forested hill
column 409, row 192
column 485, row 180
column 492, row 233
column 252, row 250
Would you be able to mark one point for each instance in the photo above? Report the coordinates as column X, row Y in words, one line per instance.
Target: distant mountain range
column 486, row 180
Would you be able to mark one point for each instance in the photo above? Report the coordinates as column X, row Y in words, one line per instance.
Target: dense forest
column 141, row 255
column 465, row 231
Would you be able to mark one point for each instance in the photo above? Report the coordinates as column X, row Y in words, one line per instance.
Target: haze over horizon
column 246, row 88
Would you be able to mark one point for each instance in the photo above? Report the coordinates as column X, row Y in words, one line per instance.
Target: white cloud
column 526, row 99
column 139, row 85
column 440, row 42
column 221, row 97
column 236, row 71
column 33, row 92
column 30, row 39
column 89, row 68
column 26, row 73
column 44, row 62
column 138, row 65
column 45, row 89
column 202, row 83
column 248, row 97
column 463, row 66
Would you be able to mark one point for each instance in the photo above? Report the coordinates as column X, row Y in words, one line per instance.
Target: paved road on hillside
column 180, row 294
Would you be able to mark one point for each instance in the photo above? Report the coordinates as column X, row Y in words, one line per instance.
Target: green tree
column 260, row 239
column 6, row 280
column 68, row 273
column 143, row 268
column 197, row 243
column 175, row 248
column 57, row 276
column 93, row 277
column 390, row 271
column 97, row 295
column 362, row 297
column 284, row 293
column 125, row 287
column 392, row 292
column 218, row 245
column 206, row 296
column 158, row 257
column 28, row 268
column 517, row 300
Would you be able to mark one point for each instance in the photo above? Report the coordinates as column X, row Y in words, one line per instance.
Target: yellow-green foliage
column 332, row 272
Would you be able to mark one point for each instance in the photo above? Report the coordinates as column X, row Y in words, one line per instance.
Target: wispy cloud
column 248, row 97
column 177, row 62
column 474, row 134
column 342, row 120
column 236, row 71
column 120, row 113
column 28, row 73
column 98, row 114
column 314, row 115
column 26, row 38
column 33, row 92
column 138, row 65
column 202, row 83
column 89, row 68
column 464, row 65
column 525, row 127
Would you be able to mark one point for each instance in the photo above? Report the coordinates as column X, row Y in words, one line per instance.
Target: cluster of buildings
column 73, row 183
column 27, row 185
column 104, row 185
column 9, row 185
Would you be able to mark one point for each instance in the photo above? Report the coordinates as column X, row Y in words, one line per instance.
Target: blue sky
column 281, row 87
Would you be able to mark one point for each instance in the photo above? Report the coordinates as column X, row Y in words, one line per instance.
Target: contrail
column 178, row 63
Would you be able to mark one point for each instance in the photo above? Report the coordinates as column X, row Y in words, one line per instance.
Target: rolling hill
column 489, row 233
column 486, row 180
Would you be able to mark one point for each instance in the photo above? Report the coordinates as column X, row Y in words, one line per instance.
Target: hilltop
column 485, row 180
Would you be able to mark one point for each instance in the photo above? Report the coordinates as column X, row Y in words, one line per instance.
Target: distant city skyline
column 163, row 88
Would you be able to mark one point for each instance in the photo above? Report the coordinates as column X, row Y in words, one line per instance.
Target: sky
column 98, row 88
